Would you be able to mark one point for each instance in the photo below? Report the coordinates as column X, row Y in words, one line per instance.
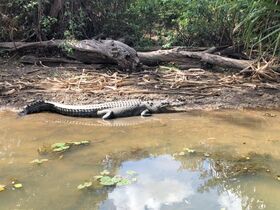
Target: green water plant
column 18, row 185
column 106, row 180
column 85, row 185
column 39, row 161
column 62, row 147
column 188, row 150
column 185, row 152
column 14, row 184
column 2, row 188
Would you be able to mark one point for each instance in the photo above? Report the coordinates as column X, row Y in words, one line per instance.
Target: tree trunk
column 56, row 8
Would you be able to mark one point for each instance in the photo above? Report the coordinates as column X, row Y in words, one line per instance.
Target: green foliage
column 85, row 185
column 253, row 23
column 260, row 25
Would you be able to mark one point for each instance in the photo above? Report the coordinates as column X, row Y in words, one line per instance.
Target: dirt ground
column 87, row 84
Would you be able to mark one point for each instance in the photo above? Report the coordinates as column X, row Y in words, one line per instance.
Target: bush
column 253, row 23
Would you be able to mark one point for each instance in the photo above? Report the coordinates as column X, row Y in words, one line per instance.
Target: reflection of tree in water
column 226, row 172
column 223, row 175
column 91, row 198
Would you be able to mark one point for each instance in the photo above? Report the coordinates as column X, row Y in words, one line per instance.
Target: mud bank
column 86, row 84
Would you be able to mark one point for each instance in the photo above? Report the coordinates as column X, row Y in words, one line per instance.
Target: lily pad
column 77, row 143
column 181, row 153
column 39, row 161
column 98, row 177
column 18, row 185
column 2, row 188
column 189, row 150
column 116, row 179
column 58, row 145
column 107, row 181
column 105, row 172
column 60, row 149
column 124, row 182
column 84, row 185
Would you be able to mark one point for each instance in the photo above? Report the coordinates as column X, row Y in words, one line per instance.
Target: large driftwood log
column 181, row 56
column 87, row 51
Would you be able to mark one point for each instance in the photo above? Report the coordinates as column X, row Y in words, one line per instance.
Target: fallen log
column 181, row 56
column 87, row 51
column 29, row 59
column 115, row 52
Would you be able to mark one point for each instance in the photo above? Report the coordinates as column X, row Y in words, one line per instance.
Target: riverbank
column 87, row 84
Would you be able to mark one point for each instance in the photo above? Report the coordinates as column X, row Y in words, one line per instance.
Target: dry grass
column 264, row 70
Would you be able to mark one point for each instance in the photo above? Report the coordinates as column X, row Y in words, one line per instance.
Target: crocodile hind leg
column 146, row 113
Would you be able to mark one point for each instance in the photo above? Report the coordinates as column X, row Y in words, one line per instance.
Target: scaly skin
column 107, row 110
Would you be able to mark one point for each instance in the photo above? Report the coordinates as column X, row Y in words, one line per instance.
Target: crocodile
column 106, row 111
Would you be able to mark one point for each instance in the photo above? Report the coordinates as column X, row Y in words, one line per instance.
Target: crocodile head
column 162, row 106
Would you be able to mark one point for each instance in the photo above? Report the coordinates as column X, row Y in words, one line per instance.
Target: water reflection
column 164, row 184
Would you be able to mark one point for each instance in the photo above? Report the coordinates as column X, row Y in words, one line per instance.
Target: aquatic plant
column 84, row 185
column 39, row 161
column 60, row 147
column 106, row 180
column 2, row 187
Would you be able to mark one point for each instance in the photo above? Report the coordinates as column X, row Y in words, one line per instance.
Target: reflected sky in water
column 162, row 183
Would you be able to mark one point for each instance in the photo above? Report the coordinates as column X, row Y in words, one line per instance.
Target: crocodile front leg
column 146, row 113
column 106, row 114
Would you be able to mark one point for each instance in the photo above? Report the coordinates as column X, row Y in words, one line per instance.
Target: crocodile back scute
column 95, row 107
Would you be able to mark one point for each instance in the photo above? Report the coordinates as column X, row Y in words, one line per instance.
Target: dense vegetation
column 250, row 23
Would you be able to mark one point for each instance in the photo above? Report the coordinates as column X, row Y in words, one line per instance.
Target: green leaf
column 116, row 179
column 189, row 150
column 58, row 145
column 2, row 188
column 85, row 142
column 105, row 172
column 98, row 177
column 59, row 149
column 124, row 182
column 76, row 143
column 107, row 181
column 181, row 153
column 39, row 161
column 84, row 185
column 18, row 185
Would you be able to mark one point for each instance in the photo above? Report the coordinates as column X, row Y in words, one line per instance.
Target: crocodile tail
column 35, row 107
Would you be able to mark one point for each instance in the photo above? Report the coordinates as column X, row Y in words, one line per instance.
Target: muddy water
column 234, row 166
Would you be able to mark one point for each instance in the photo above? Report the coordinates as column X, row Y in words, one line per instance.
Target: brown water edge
column 222, row 134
